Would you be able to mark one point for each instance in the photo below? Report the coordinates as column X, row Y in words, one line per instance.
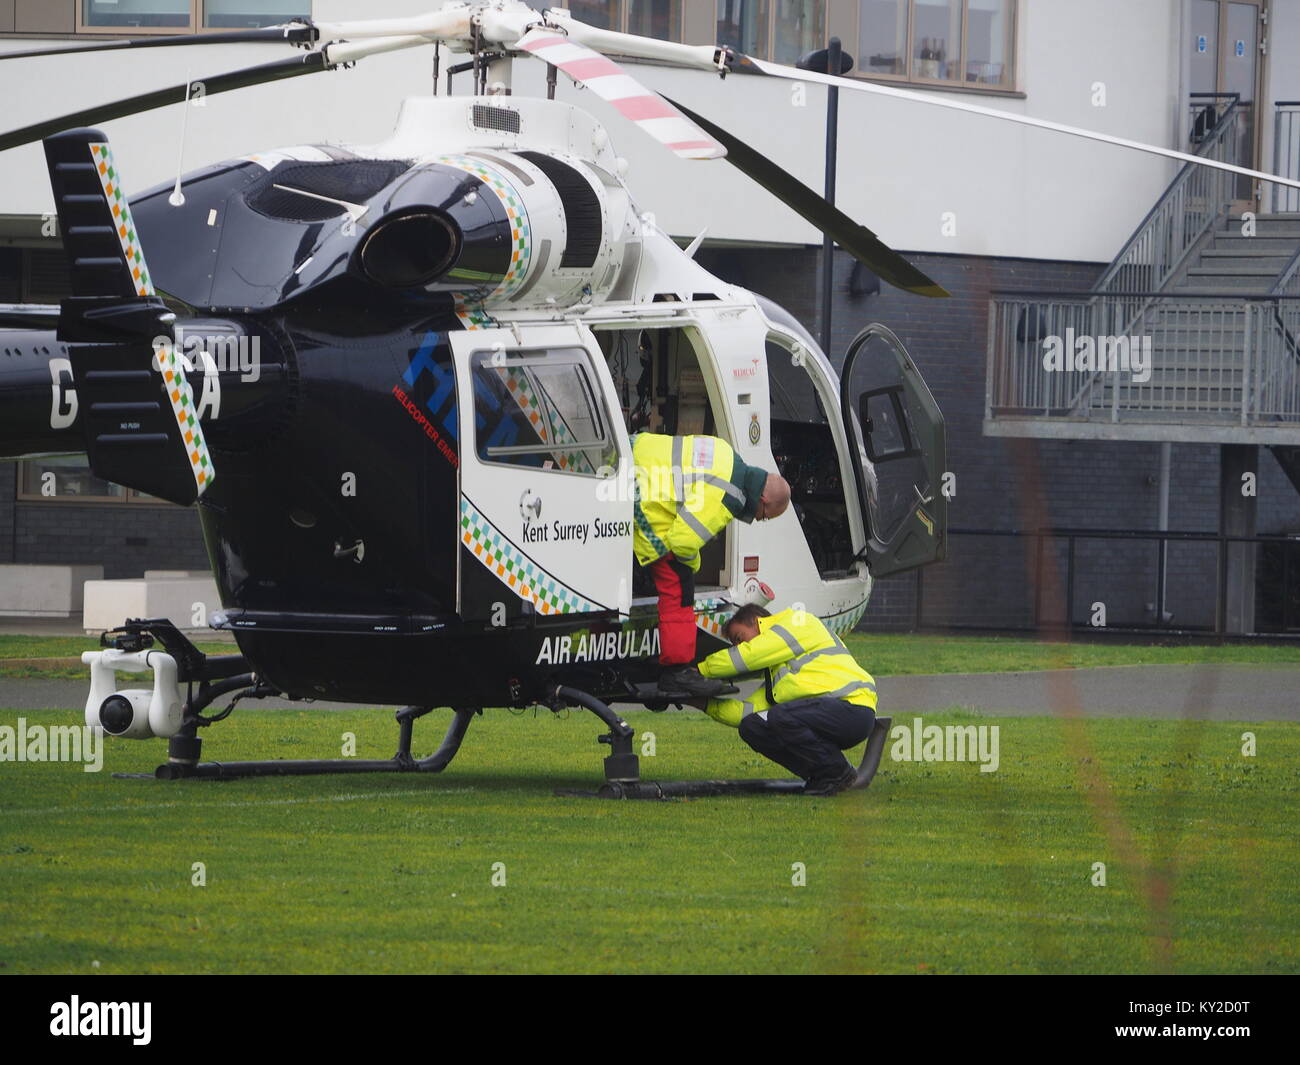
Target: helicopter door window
column 897, row 431
column 886, row 426
column 539, row 409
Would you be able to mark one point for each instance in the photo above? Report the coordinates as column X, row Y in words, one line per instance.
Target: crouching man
column 816, row 701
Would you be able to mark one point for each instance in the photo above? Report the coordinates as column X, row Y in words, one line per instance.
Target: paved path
column 1216, row 692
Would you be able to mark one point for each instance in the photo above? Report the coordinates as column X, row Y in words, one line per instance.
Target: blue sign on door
column 1202, row 43
column 1241, row 48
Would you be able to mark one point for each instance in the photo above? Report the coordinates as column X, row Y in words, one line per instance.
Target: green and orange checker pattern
column 169, row 365
column 472, row 315
column 521, row 386
column 514, row 569
column 712, row 614
column 109, row 181
column 182, row 401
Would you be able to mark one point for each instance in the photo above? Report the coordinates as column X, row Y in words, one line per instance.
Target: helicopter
column 399, row 382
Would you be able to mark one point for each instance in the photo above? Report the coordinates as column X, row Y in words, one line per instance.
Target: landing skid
column 183, row 763
column 622, row 767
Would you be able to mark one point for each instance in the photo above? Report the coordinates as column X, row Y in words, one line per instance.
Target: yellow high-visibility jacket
column 688, row 488
column 799, row 656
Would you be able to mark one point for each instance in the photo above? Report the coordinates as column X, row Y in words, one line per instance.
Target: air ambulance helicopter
column 420, row 491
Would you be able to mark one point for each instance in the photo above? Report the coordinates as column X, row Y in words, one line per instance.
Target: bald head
column 775, row 498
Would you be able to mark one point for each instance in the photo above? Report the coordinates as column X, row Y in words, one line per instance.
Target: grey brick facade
column 1007, row 484
column 1002, row 485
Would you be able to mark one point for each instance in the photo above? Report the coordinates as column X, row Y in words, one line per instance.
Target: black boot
column 689, row 681
column 841, row 783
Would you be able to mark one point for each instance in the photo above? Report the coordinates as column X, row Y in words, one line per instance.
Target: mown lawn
column 883, row 655
column 890, row 655
column 937, row 868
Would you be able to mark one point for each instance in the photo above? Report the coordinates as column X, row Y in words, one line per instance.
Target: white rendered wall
column 903, row 166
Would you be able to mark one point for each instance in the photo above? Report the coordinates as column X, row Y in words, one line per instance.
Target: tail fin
column 120, row 333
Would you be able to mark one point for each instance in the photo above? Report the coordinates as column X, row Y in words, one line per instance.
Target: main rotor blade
column 289, row 33
column 327, row 58
column 292, row 67
column 723, row 60
column 655, row 115
column 856, row 239
column 752, row 66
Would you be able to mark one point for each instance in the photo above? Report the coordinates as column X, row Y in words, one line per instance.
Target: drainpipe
column 1162, row 522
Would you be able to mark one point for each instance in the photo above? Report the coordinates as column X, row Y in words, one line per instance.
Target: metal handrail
column 1287, row 279
column 1212, row 141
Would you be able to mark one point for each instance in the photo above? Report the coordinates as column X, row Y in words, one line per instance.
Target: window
column 780, row 30
column 67, row 479
column 250, row 14
column 169, row 16
column 539, row 409
column 648, row 18
column 961, row 42
column 173, row 14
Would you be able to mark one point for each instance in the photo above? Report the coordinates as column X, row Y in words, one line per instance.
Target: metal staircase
column 1206, row 301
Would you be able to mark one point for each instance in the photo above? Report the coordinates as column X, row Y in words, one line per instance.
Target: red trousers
column 675, row 584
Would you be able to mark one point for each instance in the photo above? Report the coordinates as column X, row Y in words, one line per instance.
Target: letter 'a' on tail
column 120, row 333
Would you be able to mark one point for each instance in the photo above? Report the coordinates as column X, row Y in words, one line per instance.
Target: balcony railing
column 1230, row 360
column 1286, row 154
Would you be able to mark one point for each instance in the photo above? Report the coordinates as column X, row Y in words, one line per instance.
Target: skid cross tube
column 401, row 762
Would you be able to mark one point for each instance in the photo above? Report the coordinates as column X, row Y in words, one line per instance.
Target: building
column 1033, row 233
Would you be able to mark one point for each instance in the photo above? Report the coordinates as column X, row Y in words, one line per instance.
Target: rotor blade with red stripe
column 660, row 119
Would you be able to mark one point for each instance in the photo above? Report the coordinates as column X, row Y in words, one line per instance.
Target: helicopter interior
column 661, row 388
column 804, row 448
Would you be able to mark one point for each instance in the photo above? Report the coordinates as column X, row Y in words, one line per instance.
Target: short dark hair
column 747, row 614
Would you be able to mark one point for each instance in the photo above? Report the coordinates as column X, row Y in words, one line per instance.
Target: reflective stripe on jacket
column 688, row 489
column 801, row 658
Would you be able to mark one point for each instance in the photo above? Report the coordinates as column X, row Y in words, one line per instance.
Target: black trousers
column 806, row 736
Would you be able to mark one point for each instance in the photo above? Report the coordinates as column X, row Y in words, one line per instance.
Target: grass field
column 937, row 868
column 884, row 655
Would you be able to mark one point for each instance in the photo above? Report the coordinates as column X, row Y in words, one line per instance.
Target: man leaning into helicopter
column 688, row 488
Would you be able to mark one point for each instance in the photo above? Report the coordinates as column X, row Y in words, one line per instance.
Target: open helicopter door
column 545, row 523
column 897, row 432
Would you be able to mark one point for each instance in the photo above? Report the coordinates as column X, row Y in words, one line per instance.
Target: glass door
column 1226, row 58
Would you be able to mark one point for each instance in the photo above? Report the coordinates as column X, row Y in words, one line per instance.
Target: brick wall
column 1001, row 484
column 1007, row 484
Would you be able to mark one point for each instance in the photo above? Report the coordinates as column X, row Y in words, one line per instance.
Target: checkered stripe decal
column 182, row 401
column 176, row 386
column 845, row 620
column 473, row 316
column 102, row 156
column 519, row 573
column 712, row 614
